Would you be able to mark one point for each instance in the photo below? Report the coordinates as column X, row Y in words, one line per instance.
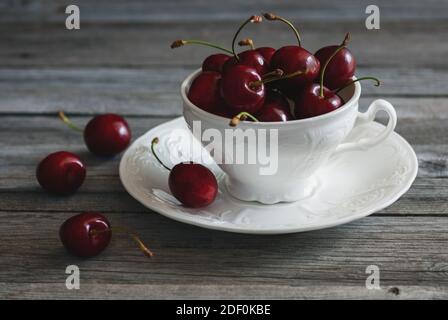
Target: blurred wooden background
column 120, row 61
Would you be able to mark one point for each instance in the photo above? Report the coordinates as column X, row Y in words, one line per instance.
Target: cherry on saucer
column 193, row 184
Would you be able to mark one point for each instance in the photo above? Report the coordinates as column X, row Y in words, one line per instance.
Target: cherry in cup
column 89, row 233
column 316, row 99
column 276, row 108
column 205, row 93
column 105, row 135
column 251, row 58
column 292, row 58
column 193, row 184
column 214, row 62
column 341, row 69
column 61, row 172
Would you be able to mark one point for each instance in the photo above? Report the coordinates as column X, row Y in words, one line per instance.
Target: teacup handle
column 367, row 117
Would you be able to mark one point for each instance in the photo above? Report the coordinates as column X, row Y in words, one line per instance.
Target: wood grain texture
column 138, row 11
column 135, row 45
column 120, row 62
column 408, row 250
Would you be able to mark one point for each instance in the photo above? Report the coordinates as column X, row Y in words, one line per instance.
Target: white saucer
column 352, row 185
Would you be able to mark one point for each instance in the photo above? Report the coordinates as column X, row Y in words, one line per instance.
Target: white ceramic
column 303, row 146
column 352, row 185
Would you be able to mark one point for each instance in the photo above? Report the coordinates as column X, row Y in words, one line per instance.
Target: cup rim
column 341, row 109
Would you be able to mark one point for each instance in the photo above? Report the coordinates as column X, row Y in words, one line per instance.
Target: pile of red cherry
column 258, row 83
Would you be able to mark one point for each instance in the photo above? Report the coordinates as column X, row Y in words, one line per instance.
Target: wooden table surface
column 120, row 61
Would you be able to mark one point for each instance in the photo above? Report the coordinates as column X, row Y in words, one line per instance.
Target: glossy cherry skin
column 250, row 58
column 61, row 172
column 107, row 134
column 194, row 185
column 237, row 91
column 205, row 93
column 275, row 108
column 267, row 53
column 291, row 59
column 215, row 62
column 340, row 69
column 311, row 104
column 86, row 234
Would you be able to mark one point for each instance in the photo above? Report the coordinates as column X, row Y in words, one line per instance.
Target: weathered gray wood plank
column 155, row 91
column 217, row 292
column 197, row 10
column 408, row 251
column 399, row 43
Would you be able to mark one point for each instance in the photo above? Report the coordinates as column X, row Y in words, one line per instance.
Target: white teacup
column 303, row 146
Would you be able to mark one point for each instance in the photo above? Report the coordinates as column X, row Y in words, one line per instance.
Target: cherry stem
column 377, row 84
column 68, row 122
column 341, row 46
column 180, row 43
column 274, row 73
column 252, row 19
column 256, row 84
column 273, row 17
column 129, row 232
column 153, row 143
column 241, row 117
column 247, row 42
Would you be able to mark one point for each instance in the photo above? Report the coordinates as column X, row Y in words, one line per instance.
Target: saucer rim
column 155, row 206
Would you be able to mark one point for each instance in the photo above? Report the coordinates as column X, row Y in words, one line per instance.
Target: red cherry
column 238, row 90
column 194, row 185
column 86, row 234
column 275, row 108
column 205, row 93
column 341, row 69
column 293, row 58
column 61, row 172
column 312, row 104
column 250, row 58
column 215, row 62
column 107, row 134
column 104, row 135
column 267, row 53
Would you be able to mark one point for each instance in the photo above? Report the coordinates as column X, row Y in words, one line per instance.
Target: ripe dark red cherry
column 205, row 93
column 276, row 108
column 237, row 89
column 193, row 184
column 250, row 58
column 61, row 172
column 291, row 59
column 341, row 68
column 316, row 99
column 107, row 134
column 215, row 62
column 86, row 234
column 312, row 104
column 267, row 53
